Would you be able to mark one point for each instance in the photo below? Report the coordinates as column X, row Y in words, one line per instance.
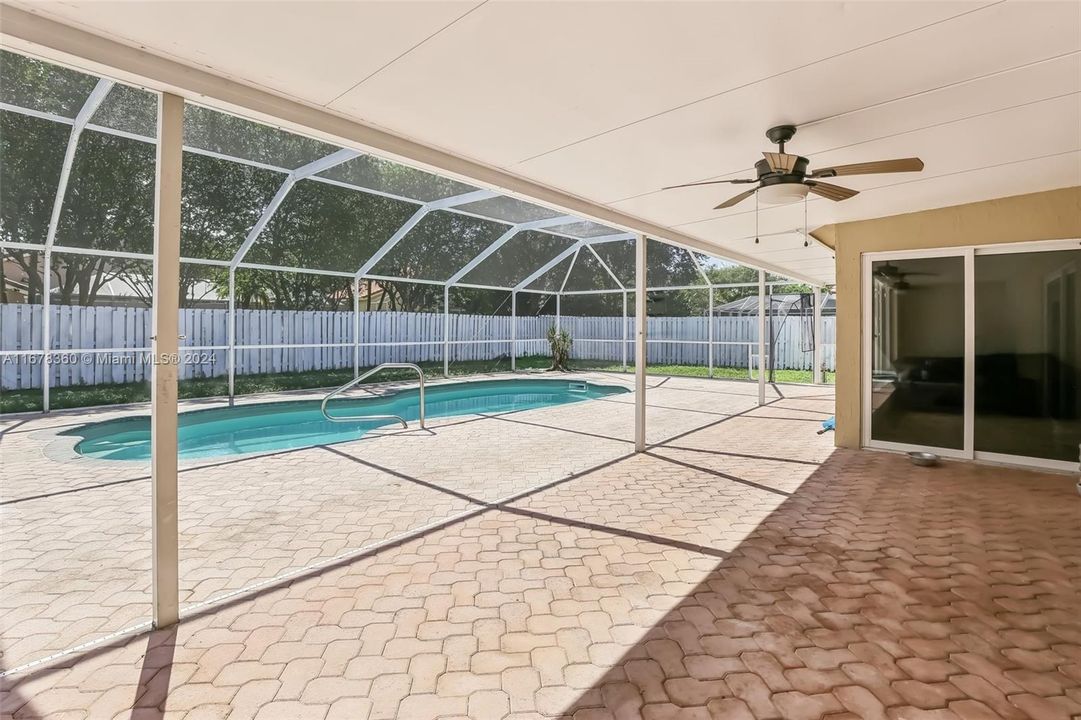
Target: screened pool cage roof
column 256, row 197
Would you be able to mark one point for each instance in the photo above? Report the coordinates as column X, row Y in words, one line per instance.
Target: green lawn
column 116, row 394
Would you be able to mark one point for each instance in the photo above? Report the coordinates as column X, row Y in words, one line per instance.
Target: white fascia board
column 62, row 43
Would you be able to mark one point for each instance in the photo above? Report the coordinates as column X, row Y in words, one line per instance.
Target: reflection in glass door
column 976, row 352
column 918, row 351
column 1028, row 393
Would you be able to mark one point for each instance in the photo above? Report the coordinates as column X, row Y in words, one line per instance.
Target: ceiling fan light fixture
column 782, row 193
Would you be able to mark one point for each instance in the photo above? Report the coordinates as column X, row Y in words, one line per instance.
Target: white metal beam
column 819, row 295
column 605, row 266
column 640, row 319
column 394, row 239
column 324, row 163
column 90, row 106
column 548, row 266
column 261, row 223
column 570, row 269
column 414, row 219
column 701, row 270
column 504, row 239
column 761, row 337
column 446, row 331
column 316, row 166
column 463, row 199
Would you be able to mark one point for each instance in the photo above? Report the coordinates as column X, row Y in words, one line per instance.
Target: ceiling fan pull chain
column 806, row 242
column 756, row 218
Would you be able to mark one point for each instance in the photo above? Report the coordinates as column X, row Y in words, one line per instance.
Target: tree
column 109, row 205
column 32, row 151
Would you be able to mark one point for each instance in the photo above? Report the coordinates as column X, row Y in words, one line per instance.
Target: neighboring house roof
column 780, row 303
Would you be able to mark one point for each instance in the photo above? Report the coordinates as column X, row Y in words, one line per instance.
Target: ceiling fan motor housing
column 767, row 176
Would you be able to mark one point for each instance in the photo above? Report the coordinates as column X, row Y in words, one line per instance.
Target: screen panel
column 517, row 259
column 368, row 171
column 31, row 155
column 326, row 227
column 109, row 204
column 130, row 110
column 42, row 86
column 510, row 210
column 440, row 245
column 218, row 132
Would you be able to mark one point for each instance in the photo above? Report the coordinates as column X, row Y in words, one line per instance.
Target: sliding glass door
column 1028, row 393
column 917, row 386
column 975, row 352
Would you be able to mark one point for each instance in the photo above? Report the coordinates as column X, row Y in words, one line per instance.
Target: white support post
column 165, row 356
column 513, row 331
column 356, row 327
column 231, row 323
column 559, row 312
column 640, row 345
column 446, row 331
column 761, row 337
column 624, row 343
column 709, row 329
column 816, row 356
column 46, row 329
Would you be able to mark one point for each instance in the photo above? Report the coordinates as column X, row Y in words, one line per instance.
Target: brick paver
column 742, row 568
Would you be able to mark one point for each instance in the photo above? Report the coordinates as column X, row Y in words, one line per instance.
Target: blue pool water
column 294, row 424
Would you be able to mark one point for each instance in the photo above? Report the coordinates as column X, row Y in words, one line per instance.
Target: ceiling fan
column 892, row 276
column 784, row 178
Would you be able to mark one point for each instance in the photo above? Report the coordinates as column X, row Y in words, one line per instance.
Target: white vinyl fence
column 107, row 344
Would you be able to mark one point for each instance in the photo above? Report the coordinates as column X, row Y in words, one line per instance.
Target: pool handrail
column 364, row 376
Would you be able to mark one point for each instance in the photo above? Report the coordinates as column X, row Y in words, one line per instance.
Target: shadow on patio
column 776, row 581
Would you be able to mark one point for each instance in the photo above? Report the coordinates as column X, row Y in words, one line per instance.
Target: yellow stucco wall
column 1050, row 215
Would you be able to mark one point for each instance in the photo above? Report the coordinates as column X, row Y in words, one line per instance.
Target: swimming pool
column 299, row 423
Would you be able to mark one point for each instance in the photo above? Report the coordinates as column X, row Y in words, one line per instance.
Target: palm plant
column 560, row 342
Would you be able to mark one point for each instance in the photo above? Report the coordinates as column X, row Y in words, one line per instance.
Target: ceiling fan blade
column 912, row 164
column 736, row 199
column 781, row 162
column 707, row 182
column 832, row 192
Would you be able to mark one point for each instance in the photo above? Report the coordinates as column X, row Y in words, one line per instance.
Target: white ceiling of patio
column 611, row 101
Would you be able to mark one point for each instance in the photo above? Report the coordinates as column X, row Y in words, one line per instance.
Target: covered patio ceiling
column 597, row 105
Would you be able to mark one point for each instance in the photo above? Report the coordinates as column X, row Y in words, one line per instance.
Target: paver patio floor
column 534, row 567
